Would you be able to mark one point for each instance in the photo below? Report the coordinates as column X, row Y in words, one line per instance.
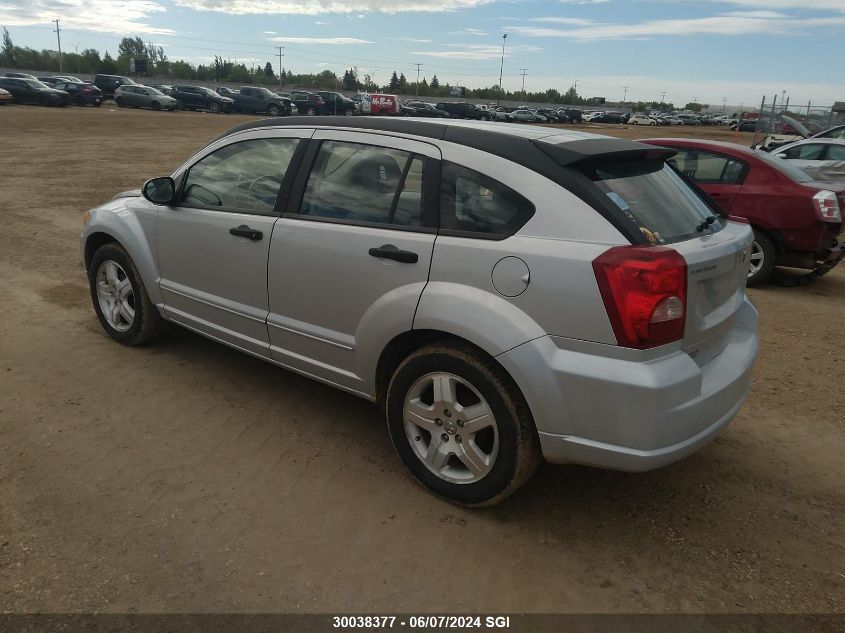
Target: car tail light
column 644, row 289
column 736, row 218
column 87, row 91
column 827, row 206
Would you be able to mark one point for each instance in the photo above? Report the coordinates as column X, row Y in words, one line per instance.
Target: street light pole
column 523, row 72
column 58, row 32
column 502, row 68
column 418, row 78
column 281, row 54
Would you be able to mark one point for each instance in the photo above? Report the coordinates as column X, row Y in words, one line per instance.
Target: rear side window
column 475, row 205
column 353, row 182
column 835, row 152
column 654, row 200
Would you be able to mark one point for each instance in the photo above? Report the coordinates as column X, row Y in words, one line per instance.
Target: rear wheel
column 460, row 425
column 761, row 260
column 214, row 107
column 310, row 111
column 120, row 298
column 80, row 101
column 155, row 105
column 42, row 100
column 119, row 101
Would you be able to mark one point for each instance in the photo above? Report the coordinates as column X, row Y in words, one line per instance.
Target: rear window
column 652, row 198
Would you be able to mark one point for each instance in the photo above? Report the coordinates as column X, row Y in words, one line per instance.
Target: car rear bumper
column 629, row 415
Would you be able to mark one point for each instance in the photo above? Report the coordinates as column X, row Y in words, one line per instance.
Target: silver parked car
column 505, row 293
column 821, row 158
column 143, row 97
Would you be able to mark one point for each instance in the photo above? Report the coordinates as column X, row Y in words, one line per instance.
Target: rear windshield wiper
column 710, row 219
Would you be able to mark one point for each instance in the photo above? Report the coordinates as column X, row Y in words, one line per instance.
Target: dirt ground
column 186, row 477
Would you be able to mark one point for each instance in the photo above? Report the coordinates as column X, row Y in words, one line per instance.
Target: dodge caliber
column 505, row 294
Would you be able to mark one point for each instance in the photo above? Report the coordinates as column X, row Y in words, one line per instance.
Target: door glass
column 363, row 183
column 836, row 152
column 243, row 176
column 705, row 167
column 811, row 151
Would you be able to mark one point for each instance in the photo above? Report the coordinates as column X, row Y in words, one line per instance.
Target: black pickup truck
column 261, row 101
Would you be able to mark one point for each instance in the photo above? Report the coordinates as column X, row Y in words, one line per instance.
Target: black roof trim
column 585, row 151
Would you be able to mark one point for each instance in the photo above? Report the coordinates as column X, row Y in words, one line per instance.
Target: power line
column 523, row 72
column 58, row 32
column 418, row 78
column 281, row 54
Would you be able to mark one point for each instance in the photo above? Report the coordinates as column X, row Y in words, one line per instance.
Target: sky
column 691, row 50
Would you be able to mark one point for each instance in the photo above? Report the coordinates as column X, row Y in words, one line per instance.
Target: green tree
column 108, row 65
column 393, row 86
column 268, row 71
column 402, row 86
column 696, row 107
column 8, row 56
column 435, row 83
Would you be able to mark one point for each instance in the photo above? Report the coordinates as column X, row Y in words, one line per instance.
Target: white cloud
column 105, row 16
column 269, row 32
column 733, row 24
column 808, row 5
column 417, row 40
column 316, row 7
column 321, row 40
column 476, row 51
column 556, row 20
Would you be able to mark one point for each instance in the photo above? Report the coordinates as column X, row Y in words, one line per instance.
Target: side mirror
column 160, row 190
column 781, row 155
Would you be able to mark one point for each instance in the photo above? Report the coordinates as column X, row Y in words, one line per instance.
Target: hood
column 797, row 126
column 132, row 193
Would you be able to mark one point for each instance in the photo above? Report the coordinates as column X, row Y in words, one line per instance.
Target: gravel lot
column 186, row 477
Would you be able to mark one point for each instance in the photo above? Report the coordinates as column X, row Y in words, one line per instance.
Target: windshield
column 784, row 167
column 655, row 200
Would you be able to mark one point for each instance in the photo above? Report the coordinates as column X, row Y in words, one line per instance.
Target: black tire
column 311, row 111
column 518, row 449
column 214, row 107
column 42, row 100
column 762, row 244
column 119, row 102
column 273, row 110
column 147, row 324
column 155, row 105
column 97, row 104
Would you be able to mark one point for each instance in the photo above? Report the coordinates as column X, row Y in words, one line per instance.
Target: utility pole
column 724, row 101
column 625, row 94
column 418, row 78
column 281, row 54
column 523, row 72
column 76, row 48
column 502, row 68
column 662, row 97
column 58, row 31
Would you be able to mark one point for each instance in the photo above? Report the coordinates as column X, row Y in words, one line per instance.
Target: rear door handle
column 244, row 231
column 389, row 251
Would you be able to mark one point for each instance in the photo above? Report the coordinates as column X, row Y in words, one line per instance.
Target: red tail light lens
column 87, row 91
column 644, row 289
column 827, row 206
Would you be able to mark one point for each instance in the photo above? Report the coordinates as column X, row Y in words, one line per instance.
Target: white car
column 821, row 158
column 641, row 119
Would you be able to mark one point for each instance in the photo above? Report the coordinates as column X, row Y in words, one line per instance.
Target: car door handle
column 244, row 231
column 389, row 251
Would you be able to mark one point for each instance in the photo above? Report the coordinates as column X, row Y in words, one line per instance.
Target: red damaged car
column 796, row 220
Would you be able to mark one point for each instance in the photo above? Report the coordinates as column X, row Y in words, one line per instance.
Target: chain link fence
column 779, row 119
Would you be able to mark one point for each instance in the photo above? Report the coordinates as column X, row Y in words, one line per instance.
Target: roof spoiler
column 590, row 152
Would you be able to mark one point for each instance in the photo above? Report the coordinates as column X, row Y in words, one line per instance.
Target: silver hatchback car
column 503, row 292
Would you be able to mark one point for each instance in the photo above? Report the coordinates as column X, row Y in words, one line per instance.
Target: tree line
column 90, row 61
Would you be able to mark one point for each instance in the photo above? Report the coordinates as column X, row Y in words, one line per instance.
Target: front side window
column 808, row 151
column 471, row 202
column 835, row 152
column 363, row 183
column 705, row 167
column 654, row 200
column 244, row 176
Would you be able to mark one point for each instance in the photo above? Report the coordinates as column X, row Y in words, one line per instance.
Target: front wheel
column 274, row 110
column 119, row 102
column 155, row 105
column 214, row 107
column 120, row 299
column 761, row 260
column 460, row 425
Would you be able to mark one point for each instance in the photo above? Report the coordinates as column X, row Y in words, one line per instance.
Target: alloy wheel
column 451, row 427
column 115, row 295
column 756, row 260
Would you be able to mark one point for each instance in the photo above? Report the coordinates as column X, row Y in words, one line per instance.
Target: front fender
column 132, row 223
column 484, row 319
